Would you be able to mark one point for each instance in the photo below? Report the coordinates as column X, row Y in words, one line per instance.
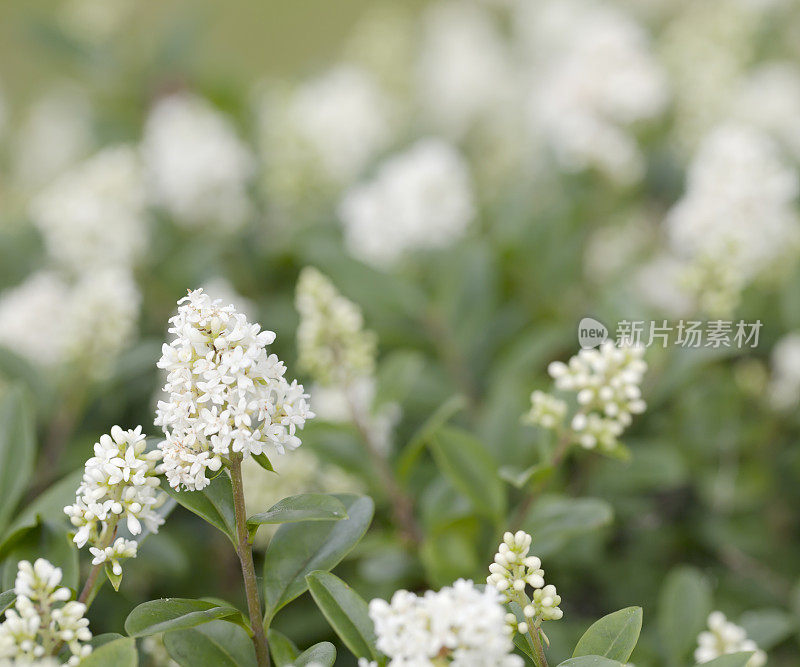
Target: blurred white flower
column 302, row 472
column 660, row 282
column 226, row 394
column 546, row 410
column 737, row 217
column 55, row 134
column 723, row 638
column 784, row 386
column 94, row 214
column 419, row 199
column 459, row 625
column 53, row 322
column 769, row 98
column 465, row 71
column 593, row 76
column 43, row 618
column 120, row 483
column 332, row 344
column 94, row 21
column 198, row 169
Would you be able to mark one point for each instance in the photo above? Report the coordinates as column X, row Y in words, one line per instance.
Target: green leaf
column 554, row 521
column 214, row 503
column 613, row 636
column 49, row 504
column 471, row 469
column 683, row 607
column 120, row 653
column 214, row 644
column 154, row 616
column 416, row 445
column 263, row 461
column 115, row 579
column 106, row 638
column 590, row 661
column 7, row 599
column 730, row 660
column 303, row 507
column 17, row 450
column 528, row 477
column 767, row 627
column 346, row 611
column 323, row 654
column 283, row 650
column 300, row 548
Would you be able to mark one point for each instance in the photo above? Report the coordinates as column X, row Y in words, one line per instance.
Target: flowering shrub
column 438, row 353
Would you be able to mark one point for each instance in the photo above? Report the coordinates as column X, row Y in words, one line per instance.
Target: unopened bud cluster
column 120, row 482
column 512, row 571
column 43, row 619
column 333, row 345
column 724, row 638
column 607, row 384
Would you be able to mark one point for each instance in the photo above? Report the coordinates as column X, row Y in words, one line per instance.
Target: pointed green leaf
column 590, row 661
column 120, row 653
column 683, row 607
column 303, row 507
column 214, row 503
column 323, row 654
column 7, row 599
column 214, row 644
column 17, row 450
column 554, row 521
column 300, row 548
column 470, row 468
column 346, row 611
column 283, row 650
column 613, row 636
column 767, row 627
column 115, row 579
column 165, row 615
column 263, row 461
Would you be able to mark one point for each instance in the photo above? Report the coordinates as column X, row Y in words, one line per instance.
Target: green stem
column 93, row 583
column 536, row 638
column 244, row 550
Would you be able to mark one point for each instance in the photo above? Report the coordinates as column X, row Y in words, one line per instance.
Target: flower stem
column 244, row 549
column 402, row 505
column 92, row 585
column 536, row 638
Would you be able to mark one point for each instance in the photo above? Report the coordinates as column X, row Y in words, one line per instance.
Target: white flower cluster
column 724, row 637
column 120, row 482
column 43, row 618
column 593, row 77
column 198, row 169
column 465, row 72
column 419, row 199
column 94, row 214
column 607, row 382
column 512, row 571
column 332, row 344
column 737, row 217
column 55, row 134
column 226, row 394
column 546, row 410
column 459, row 625
column 302, row 472
column 87, row 323
column 325, row 132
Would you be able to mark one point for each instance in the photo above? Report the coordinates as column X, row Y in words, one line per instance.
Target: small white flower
column 724, row 637
column 460, row 625
column 42, row 617
column 546, row 410
column 119, row 483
